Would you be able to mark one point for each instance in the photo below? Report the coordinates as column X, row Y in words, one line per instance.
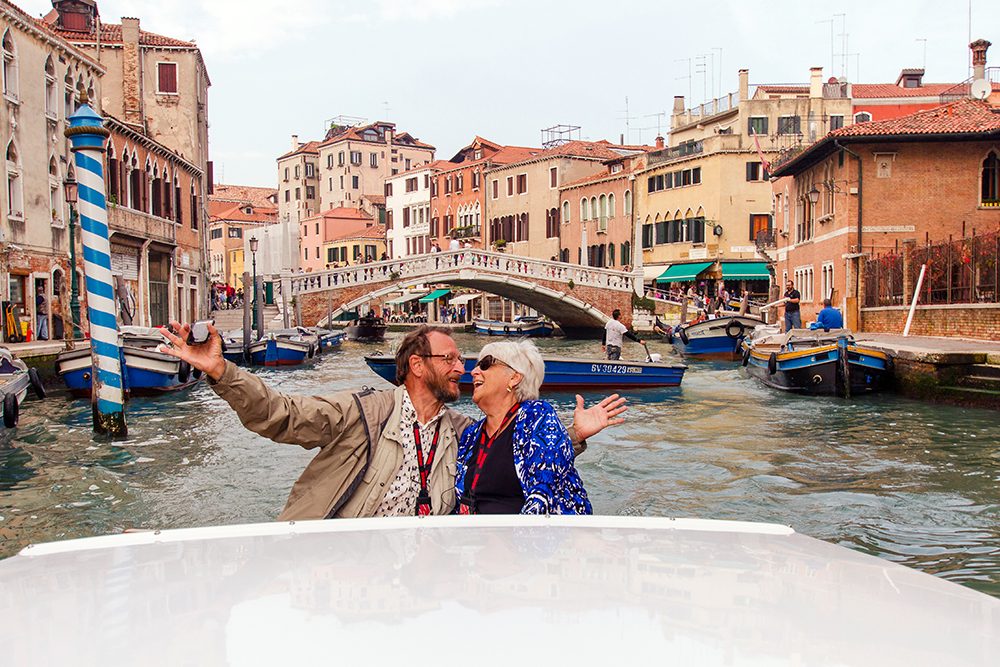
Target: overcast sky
column 447, row 70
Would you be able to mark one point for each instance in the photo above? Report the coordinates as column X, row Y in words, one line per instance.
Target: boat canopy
column 406, row 296
column 746, row 270
column 435, row 295
column 683, row 271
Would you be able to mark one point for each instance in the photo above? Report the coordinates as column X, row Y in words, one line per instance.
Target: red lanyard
column 424, row 499
column 482, row 451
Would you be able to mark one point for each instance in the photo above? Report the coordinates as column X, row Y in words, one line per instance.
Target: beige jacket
column 339, row 481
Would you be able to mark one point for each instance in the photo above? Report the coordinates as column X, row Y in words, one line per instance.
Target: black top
column 789, row 306
column 498, row 490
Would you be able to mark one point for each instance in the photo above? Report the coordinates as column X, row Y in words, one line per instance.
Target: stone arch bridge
column 578, row 298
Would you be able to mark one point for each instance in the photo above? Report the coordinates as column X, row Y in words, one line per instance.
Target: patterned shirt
column 401, row 497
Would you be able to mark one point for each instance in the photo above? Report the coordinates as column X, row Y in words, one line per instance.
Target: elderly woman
column 519, row 458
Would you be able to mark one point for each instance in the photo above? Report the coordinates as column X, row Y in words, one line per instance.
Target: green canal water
column 911, row 482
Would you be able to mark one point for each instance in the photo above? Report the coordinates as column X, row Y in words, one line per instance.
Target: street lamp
column 813, row 196
column 253, row 252
column 72, row 190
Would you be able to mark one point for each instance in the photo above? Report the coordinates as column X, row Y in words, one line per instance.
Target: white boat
column 15, row 380
column 522, row 326
column 605, row 590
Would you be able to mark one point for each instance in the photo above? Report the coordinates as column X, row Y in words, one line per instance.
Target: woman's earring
column 508, row 390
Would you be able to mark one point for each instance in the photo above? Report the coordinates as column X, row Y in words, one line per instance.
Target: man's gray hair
column 523, row 357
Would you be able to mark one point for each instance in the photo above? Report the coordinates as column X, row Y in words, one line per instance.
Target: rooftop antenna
column 843, row 46
column 925, row 52
column 701, row 67
column 719, row 49
column 832, row 62
column 627, row 119
column 385, row 105
column 688, row 77
column 659, row 116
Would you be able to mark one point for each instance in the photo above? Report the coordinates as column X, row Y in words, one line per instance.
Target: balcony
column 766, row 239
column 142, row 225
column 684, row 150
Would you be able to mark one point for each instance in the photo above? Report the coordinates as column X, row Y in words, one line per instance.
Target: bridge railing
column 449, row 261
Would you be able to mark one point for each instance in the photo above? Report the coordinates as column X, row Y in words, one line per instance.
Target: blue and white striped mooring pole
column 87, row 134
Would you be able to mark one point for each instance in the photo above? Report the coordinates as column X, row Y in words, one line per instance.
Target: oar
column 649, row 357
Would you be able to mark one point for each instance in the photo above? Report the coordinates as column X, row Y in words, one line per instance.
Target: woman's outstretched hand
column 593, row 420
column 206, row 357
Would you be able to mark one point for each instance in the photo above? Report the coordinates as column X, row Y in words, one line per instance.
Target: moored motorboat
column 715, row 338
column 145, row 371
column 522, row 326
column 570, row 372
column 814, row 361
column 627, row 589
column 367, row 328
column 15, row 380
column 284, row 347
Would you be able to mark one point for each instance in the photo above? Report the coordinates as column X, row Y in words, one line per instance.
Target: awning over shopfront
column 746, row 270
column 436, row 294
column 678, row 272
column 406, row 296
column 463, row 298
column 652, row 271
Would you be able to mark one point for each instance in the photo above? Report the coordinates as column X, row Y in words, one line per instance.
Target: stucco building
column 235, row 210
column 408, row 210
column 298, row 181
column 316, row 232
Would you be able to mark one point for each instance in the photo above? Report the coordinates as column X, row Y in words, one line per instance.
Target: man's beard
column 441, row 387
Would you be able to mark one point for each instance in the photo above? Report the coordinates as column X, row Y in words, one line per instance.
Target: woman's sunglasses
column 485, row 362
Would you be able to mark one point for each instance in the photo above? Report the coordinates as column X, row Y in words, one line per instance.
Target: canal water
column 911, row 482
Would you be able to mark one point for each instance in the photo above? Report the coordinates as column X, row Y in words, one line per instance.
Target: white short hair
column 522, row 356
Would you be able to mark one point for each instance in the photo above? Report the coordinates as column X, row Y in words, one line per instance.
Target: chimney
column 979, row 58
column 295, row 142
column 744, row 84
column 678, row 104
column 815, row 82
column 621, row 139
column 131, row 71
column 659, row 142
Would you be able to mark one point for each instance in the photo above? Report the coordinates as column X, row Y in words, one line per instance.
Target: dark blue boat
column 570, row 372
column 717, row 338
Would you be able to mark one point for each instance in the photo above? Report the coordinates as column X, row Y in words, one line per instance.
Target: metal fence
column 963, row 271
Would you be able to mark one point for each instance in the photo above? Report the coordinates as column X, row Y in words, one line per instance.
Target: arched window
column 862, row 117
column 15, row 196
column 628, row 203
column 611, row 205
column 55, row 193
column 603, row 224
column 626, row 253
column 70, row 93
column 51, row 99
column 991, row 180
column 593, row 208
column 565, row 211
column 583, row 210
column 9, row 65
column 611, row 254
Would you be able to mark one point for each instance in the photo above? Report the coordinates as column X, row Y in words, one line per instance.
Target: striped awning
column 678, row 272
column 435, row 295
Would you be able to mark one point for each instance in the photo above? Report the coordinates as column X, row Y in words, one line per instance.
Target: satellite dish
column 981, row 89
column 842, row 80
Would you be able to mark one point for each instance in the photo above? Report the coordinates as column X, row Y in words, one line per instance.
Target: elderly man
column 382, row 453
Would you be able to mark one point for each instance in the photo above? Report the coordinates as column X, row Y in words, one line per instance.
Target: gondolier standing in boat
column 793, row 318
column 613, row 333
column 381, row 453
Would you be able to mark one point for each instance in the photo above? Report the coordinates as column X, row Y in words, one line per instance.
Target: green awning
column 436, row 294
column 678, row 272
column 746, row 270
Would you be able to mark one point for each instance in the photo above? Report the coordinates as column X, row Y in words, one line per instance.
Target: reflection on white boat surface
column 557, row 590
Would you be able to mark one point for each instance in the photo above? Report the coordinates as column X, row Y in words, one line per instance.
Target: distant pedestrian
column 41, row 318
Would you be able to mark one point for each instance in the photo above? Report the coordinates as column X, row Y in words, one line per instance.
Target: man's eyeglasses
column 450, row 359
column 484, row 363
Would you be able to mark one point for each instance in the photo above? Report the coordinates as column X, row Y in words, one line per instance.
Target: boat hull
column 145, row 372
column 281, row 352
column 713, row 339
column 532, row 328
column 366, row 330
column 570, row 373
column 824, row 370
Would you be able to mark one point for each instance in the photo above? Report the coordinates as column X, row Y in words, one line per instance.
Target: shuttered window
column 166, row 77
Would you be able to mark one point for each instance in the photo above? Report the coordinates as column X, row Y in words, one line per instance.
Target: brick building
column 458, row 197
column 864, row 189
column 523, row 204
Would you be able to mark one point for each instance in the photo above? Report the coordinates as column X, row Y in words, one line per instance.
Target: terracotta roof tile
column 311, row 147
column 343, row 212
column 376, row 232
column 868, row 91
column 258, row 197
column 962, row 117
column 111, row 33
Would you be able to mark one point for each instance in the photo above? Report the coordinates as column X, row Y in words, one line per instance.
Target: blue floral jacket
column 543, row 460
